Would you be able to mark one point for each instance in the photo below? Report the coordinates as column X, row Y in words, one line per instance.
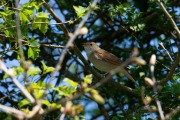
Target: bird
column 103, row 60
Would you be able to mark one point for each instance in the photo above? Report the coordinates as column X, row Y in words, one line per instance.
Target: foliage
column 118, row 27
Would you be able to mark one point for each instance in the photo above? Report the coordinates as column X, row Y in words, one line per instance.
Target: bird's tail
column 125, row 72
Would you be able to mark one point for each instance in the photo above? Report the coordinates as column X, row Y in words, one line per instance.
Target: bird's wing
column 107, row 56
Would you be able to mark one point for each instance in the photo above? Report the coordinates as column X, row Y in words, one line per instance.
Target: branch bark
column 169, row 17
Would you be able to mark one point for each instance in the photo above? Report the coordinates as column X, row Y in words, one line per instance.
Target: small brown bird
column 103, row 60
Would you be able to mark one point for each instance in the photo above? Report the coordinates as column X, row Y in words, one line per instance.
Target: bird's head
column 90, row 47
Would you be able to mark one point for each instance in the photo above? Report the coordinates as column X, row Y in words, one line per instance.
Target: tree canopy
column 45, row 73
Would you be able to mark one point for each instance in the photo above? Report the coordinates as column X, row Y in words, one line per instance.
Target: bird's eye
column 91, row 44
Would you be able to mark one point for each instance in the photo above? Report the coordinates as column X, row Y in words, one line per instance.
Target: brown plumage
column 103, row 60
column 108, row 57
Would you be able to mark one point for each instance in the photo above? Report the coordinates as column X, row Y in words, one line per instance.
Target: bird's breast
column 100, row 64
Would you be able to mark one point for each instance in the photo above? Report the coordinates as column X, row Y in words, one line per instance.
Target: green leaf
column 42, row 84
column 27, row 10
column 23, row 17
column 3, row 13
column 55, row 105
column 117, row 10
column 72, row 83
column 46, row 102
column 34, row 43
column 47, row 69
column 141, row 74
column 33, row 71
column 51, row 105
column 41, row 17
column 7, row 33
column 23, row 103
column 44, row 65
column 118, row 117
column 136, row 16
column 30, row 53
column 80, row 11
column 88, row 79
column 137, row 27
column 6, row 13
column 35, row 5
column 123, row 8
column 33, row 52
column 65, row 90
column 38, row 88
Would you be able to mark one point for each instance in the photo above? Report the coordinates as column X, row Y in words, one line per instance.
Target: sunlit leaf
column 38, row 88
column 33, row 52
column 80, row 11
column 46, row 102
column 88, row 79
column 47, row 69
column 33, row 71
column 51, row 105
column 72, row 83
column 23, row 103
column 41, row 17
column 23, row 17
column 34, row 43
column 65, row 90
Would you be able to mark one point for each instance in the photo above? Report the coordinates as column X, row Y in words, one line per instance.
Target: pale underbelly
column 102, row 65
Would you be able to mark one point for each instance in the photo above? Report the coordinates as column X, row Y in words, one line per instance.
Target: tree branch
column 169, row 17
column 172, row 113
column 173, row 68
column 16, row 113
column 46, row 5
column 152, row 66
column 16, row 82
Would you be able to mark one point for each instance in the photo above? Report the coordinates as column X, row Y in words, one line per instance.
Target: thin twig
column 143, row 94
column 46, row 5
column 169, row 17
column 62, row 116
column 19, row 34
column 152, row 66
column 161, row 44
column 52, row 46
column 162, row 64
column 172, row 113
column 16, row 82
column 173, row 68
column 37, row 23
column 19, row 114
